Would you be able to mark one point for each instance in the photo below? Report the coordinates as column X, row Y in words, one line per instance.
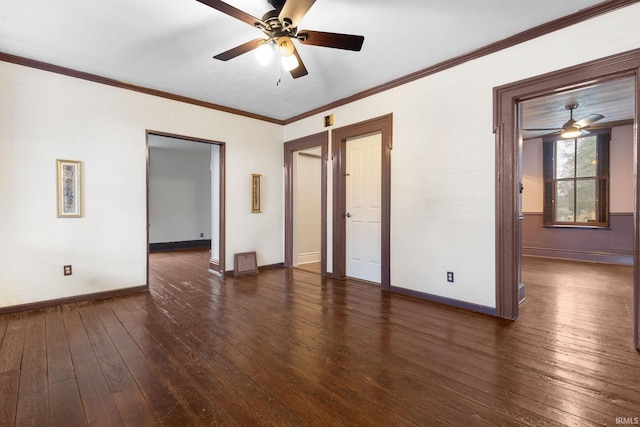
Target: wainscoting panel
column 612, row 245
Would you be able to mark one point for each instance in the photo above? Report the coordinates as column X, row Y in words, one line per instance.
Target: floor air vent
column 244, row 263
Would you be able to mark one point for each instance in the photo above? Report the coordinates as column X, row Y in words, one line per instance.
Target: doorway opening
column 185, row 196
column 508, row 128
column 305, row 162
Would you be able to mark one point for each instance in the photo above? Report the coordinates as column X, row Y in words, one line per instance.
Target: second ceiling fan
column 280, row 27
column 573, row 128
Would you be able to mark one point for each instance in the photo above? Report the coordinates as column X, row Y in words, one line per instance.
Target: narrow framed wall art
column 255, row 193
column 69, row 189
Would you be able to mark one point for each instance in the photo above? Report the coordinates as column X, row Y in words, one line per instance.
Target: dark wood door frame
column 339, row 137
column 215, row 266
column 318, row 140
column 506, row 128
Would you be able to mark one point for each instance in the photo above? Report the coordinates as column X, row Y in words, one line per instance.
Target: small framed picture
column 69, row 189
column 255, row 193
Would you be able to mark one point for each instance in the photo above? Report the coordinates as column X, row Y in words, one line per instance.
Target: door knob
column 348, row 215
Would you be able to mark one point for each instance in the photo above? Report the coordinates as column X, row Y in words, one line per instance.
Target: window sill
column 586, row 227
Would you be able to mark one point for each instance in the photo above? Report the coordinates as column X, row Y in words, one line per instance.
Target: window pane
column 586, row 200
column 587, row 160
column 564, row 201
column 565, row 158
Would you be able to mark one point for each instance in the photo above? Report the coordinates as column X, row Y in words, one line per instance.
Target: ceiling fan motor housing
column 274, row 28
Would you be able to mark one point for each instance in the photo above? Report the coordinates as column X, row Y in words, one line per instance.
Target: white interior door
column 363, row 222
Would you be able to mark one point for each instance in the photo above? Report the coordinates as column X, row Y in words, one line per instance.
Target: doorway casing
column 507, row 131
column 339, row 137
column 216, row 266
column 317, row 140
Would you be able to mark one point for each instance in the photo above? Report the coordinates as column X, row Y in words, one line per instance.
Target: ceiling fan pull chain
column 278, row 69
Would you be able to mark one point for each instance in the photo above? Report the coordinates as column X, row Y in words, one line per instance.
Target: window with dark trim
column 576, row 180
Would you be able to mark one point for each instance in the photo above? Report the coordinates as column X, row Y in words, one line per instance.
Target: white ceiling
column 168, row 45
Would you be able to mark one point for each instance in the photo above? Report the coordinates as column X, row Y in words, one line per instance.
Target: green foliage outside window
column 576, row 180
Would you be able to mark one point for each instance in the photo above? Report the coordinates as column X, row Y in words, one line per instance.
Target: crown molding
column 530, row 34
column 32, row 63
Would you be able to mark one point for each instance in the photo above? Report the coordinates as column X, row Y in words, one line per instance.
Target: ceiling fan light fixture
column 571, row 132
column 264, row 53
column 285, row 46
column 289, row 62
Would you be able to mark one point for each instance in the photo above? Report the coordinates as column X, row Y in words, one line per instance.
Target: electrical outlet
column 201, row 234
column 67, row 270
column 450, row 276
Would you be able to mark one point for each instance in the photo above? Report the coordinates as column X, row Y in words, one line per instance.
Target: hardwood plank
column 99, row 406
column 65, row 404
column 59, row 363
column 33, row 401
column 113, row 367
column 9, row 384
column 202, row 395
column 134, row 409
column 13, row 343
column 4, row 321
column 167, row 404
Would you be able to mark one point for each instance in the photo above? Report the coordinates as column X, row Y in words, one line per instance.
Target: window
column 576, row 180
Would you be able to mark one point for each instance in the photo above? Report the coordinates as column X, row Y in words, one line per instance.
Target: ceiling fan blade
column 334, row 40
column 294, row 11
column 588, row 121
column 239, row 50
column 541, row 129
column 300, row 70
column 232, row 11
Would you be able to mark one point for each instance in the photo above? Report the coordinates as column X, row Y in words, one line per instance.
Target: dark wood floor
column 286, row 347
column 312, row 267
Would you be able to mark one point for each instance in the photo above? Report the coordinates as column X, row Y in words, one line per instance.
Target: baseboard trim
column 216, row 273
column 573, row 255
column 444, row 300
column 308, row 257
column 229, row 273
column 214, row 267
column 522, row 296
column 77, row 298
column 178, row 246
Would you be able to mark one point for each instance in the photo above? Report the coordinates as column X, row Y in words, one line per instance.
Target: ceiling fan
column 573, row 128
column 280, row 27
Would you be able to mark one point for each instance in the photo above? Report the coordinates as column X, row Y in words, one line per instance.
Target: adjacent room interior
column 578, row 204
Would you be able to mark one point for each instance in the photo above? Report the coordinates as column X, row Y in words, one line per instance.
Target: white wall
column 443, row 159
column 620, row 174
column 179, row 194
column 45, row 116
